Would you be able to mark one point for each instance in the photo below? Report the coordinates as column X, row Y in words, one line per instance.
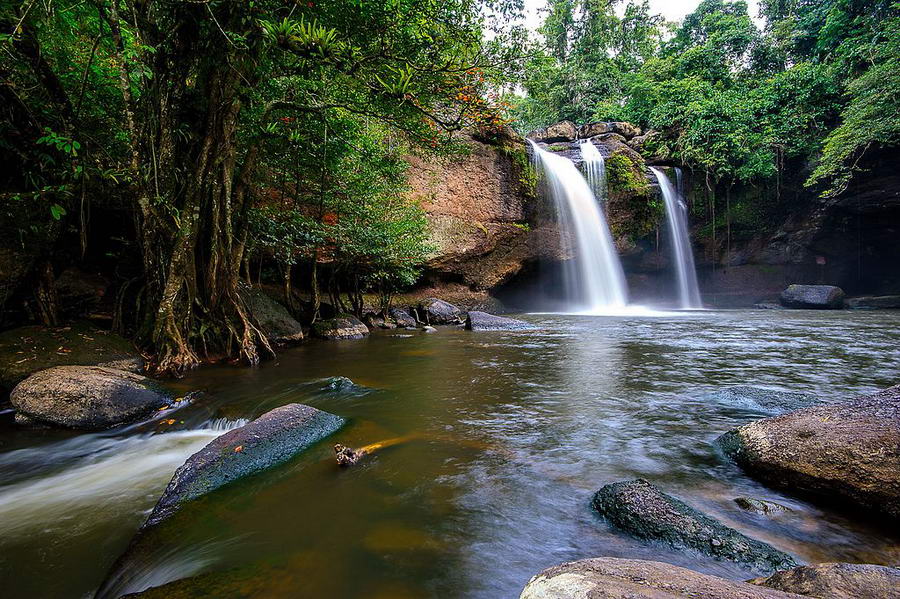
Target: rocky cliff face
column 482, row 212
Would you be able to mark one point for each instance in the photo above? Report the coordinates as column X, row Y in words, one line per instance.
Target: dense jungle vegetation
column 228, row 136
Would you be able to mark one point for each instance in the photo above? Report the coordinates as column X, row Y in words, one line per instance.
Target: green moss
column 625, row 176
column 638, row 209
column 558, row 147
column 527, row 174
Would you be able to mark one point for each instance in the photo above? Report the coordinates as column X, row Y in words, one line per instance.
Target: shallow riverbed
column 510, row 434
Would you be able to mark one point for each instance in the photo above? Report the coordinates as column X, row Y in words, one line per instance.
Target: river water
column 511, row 433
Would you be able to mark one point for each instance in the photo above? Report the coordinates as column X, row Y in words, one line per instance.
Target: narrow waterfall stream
column 594, row 169
column 595, row 282
column 682, row 255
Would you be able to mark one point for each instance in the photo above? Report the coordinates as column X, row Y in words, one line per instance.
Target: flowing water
column 595, row 282
column 682, row 254
column 594, row 169
column 511, row 433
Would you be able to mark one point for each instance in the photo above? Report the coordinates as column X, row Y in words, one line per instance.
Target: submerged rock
column 273, row 438
column 274, row 319
column 342, row 327
column 26, row 350
column 813, row 296
column 768, row 306
column 429, row 329
column 87, row 397
column 837, row 581
column 616, row 578
column 847, row 451
column 759, row 399
column 437, row 311
column 643, row 510
column 402, row 317
column 762, row 507
column 482, row 321
column 880, row 302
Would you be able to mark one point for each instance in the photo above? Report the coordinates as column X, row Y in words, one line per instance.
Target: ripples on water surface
column 517, row 431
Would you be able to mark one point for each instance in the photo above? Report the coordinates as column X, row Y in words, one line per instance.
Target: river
column 510, row 434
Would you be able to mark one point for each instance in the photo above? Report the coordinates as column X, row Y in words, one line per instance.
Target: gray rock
column 342, row 327
column 26, row 350
column 274, row 319
column 847, row 452
column 557, row 132
column 758, row 399
column 768, row 306
column 437, row 311
column 592, row 129
column 402, row 317
column 763, row 507
column 87, row 397
column 880, row 302
column 429, row 329
column 837, row 581
column 643, row 510
column 822, row 297
column 482, row 321
column 615, row 578
column 271, row 439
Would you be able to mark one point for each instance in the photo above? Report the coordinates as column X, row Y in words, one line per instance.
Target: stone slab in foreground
column 614, row 578
column 643, row 510
column 271, row 439
column 482, row 321
column 837, row 581
column 849, row 452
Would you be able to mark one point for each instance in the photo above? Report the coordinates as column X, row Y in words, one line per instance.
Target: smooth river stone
column 847, row 452
column 615, row 578
column 271, row 439
column 643, row 510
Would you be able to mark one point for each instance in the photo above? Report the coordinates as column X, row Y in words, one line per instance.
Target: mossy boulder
column 26, row 350
column 816, row 297
column 342, row 327
column 271, row 439
column 643, row 510
column 86, row 397
column 274, row 319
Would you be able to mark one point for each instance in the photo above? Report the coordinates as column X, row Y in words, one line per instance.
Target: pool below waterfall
column 508, row 435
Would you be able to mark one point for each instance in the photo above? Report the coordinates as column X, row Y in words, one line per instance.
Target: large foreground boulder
column 482, row 321
column 614, row 578
column 837, row 581
column 342, row 327
column 437, row 311
column 821, row 297
column 26, row 350
column 643, row 510
column 86, row 397
column 271, row 439
column 274, row 319
column 846, row 451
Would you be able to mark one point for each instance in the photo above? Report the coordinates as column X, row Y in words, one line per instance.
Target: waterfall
column 595, row 282
column 594, row 169
column 676, row 214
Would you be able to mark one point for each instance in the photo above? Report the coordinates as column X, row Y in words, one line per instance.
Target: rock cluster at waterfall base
column 271, row 439
column 643, row 510
column 846, row 452
column 86, row 397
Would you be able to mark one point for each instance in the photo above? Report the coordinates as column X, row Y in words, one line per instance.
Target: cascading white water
column 676, row 214
column 595, row 282
column 594, row 169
